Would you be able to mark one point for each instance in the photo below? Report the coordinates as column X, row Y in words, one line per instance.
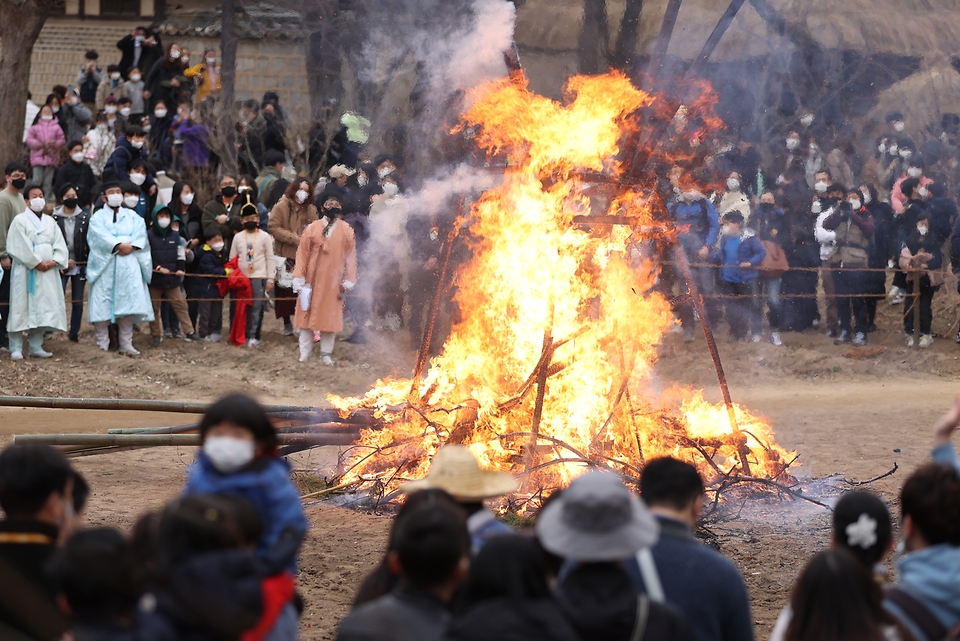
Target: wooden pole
column 663, row 38
column 174, row 440
column 915, row 279
column 183, row 407
column 228, row 81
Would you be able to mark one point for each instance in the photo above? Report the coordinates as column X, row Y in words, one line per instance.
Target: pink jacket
column 898, row 199
column 45, row 140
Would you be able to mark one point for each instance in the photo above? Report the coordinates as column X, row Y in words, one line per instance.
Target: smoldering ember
column 479, row 319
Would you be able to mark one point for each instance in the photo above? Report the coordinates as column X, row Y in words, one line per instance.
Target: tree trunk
column 322, row 49
column 228, row 84
column 626, row 48
column 20, row 25
column 594, row 37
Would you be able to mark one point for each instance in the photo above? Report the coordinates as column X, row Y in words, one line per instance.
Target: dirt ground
column 850, row 414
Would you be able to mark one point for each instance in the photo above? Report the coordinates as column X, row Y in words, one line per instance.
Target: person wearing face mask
column 813, row 163
column 206, row 76
column 222, row 213
column 734, row 199
column 288, row 219
column 119, row 269
column 788, row 165
column 130, row 147
column 112, row 86
column 239, row 458
column 37, row 250
column 169, row 265
column 325, row 271
column 248, row 185
column 210, row 264
column 74, row 220
column 772, row 230
column 164, row 80
column 914, row 169
column 739, row 254
column 854, row 228
column 12, row 205
column 388, row 246
column 195, row 154
column 45, row 141
column 161, row 134
column 100, row 145
column 36, row 494
column 77, row 173
column 273, row 163
column 134, row 89
column 921, row 255
column 884, row 246
column 254, row 249
column 76, row 117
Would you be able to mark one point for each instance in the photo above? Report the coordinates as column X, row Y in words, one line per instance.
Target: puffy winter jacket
column 45, row 140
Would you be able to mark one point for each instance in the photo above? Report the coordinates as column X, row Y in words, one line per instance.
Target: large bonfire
column 549, row 370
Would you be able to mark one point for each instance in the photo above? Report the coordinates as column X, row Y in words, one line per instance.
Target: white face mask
column 882, row 148
column 728, row 230
column 228, row 454
column 733, row 184
column 55, row 110
column 186, row 199
column 77, row 157
column 383, row 172
column 186, row 59
column 923, row 192
column 136, row 144
column 160, row 113
column 302, row 196
column 821, row 187
column 46, row 118
column 922, row 230
column 211, row 61
column 892, row 150
column 867, row 198
column 855, row 204
column 138, row 179
column 216, row 246
column 816, row 207
column 131, row 201
column 37, row 204
column 125, row 112
column 806, row 120
column 242, row 188
column 102, row 127
column 110, row 109
column 174, row 55
column 814, row 149
column 114, row 200
column 146, row 128
column 115, row 76
column 905, row 153
column 391, row 189
column 135, row 77
column 898, row 126
column 74, row 100
column 362, row 180
column 914, row 172
column 792, row 143
column 163, row 223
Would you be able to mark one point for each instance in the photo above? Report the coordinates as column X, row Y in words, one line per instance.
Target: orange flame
column 541, row 289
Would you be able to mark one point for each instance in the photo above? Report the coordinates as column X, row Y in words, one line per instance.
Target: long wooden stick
column 183, row 407
column 175, row 440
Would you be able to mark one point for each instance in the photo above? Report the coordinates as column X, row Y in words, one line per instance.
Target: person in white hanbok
column 37, row 251
column 119, row 269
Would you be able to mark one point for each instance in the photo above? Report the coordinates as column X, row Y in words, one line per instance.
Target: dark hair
column 271, row 96
column 112, row 68
column 670, row 482
column 247, row 516
column 81, row 492
column 273, row 157
column 916, row 160
column 906, row 143
column 196, row 524
column 931, row 498
column 30, row 187
column 138, row 163
column 91, row 54
column 381, row 580
column 211, row 232
column 836, row 599
column 836, row 187
column 252, row 105
column 14, row 166
column 243, row 411
column 908, row 186
column 60, row 90
column 124, row 101
column 178, row 191
column 430, row 544
column 73, row 143
column 94, row 572
column 733, row 217
column 511, row 567
column 133, row 130
column 937, row 190
column 29, row 474
column 143, row 544
column 128, row 187
column 67, row 187
column 863, row 510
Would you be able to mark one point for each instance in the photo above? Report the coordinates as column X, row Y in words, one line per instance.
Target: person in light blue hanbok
column 119, row 269
column 37, row 251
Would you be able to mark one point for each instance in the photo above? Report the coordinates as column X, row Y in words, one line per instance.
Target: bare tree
column 20, row 25
column 228, row 83
column 626, row 48
column 593, row 43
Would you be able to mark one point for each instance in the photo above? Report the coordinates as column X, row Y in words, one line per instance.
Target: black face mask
column 229, row 192
column 19, row 183
column 70, row 203
column 250, row 224
column 332, row 211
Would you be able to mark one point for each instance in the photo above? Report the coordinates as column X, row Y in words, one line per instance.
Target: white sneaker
column 16, row 356
column 214, row 338
column 130, row 352
column 253, row 343
column 910, row 342
column 898, row 299
column 775, row 338
column 326, row 360
column 926, row 340
column 756, row 338
column 40, row 354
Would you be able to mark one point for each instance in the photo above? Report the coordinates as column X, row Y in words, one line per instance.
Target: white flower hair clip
column 863, row 533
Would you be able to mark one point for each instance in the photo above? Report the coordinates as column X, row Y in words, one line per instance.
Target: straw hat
column 456, row 471
column 596, row 519
column 338, row 171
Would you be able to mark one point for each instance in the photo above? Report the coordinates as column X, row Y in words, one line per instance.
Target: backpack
column 918, row 614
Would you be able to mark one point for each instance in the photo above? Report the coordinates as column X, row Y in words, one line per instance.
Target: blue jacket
column 946, row 454
column 266, row 484
column 119, row 163
column 932, row 577
column 695, row 232
column 750, row 250
column 705, row 586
